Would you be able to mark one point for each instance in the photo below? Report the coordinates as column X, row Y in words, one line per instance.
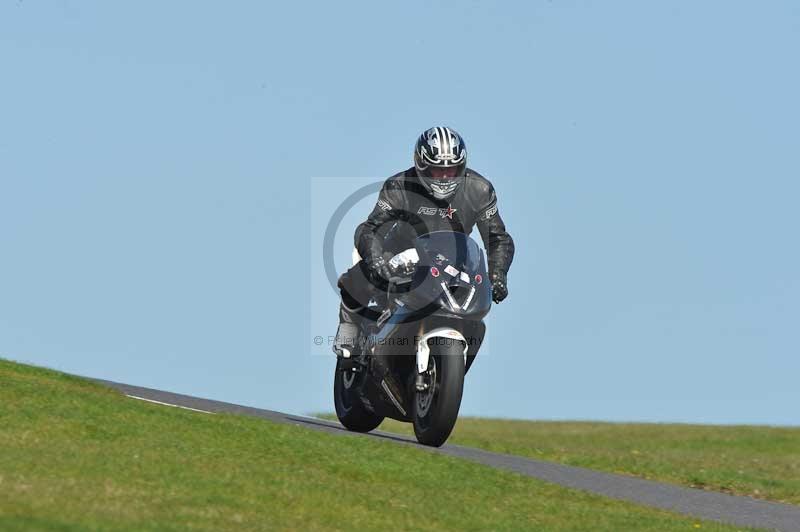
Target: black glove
column 499, row 286
column 379, row 268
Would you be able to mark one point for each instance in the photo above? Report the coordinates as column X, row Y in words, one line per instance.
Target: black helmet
column 440, row 158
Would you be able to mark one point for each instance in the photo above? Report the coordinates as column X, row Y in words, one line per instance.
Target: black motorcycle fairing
column 449, row 262
column 450, row 289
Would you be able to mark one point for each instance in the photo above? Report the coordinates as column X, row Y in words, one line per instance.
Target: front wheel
column 436, row 408
column 349, row 408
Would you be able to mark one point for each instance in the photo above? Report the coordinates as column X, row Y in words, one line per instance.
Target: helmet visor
column 444, row 174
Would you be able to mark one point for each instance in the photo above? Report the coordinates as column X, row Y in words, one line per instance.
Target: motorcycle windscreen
column 448, row 247
column 452, row 272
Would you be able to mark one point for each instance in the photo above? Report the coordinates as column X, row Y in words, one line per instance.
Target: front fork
column 424, row 352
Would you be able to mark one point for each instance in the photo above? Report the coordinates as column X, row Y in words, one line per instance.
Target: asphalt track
column 742, row 511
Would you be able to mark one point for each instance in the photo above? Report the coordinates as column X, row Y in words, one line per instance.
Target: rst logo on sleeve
column 428, row 211
column 491, row 211
column 384, row 205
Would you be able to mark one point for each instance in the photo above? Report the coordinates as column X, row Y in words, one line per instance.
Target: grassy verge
column 77, row 456
column 762, row 462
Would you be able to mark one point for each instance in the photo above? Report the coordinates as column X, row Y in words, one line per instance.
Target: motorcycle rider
column 438, row 193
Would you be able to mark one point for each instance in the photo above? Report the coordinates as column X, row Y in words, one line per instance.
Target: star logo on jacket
column 448, row 212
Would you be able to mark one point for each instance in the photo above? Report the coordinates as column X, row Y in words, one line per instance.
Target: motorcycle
column 415, row 355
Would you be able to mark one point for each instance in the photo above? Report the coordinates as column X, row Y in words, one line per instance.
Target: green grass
column 762, row 462
column 76, row 456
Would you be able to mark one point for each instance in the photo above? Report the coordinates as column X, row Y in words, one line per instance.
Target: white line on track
column 312, row 418
column 167, row 404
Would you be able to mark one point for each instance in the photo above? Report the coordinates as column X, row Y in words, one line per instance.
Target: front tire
column 436, row 409
column 349, row 408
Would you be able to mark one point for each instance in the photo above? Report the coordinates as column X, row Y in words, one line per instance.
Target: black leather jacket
column 406, row 208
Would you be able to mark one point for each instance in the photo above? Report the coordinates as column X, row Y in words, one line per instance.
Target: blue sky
column 166, row 170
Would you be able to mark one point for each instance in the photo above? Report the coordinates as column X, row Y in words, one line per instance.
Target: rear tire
column 349, row 408
column 436, row 410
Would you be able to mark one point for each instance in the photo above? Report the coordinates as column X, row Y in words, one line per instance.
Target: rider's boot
column 347, row 344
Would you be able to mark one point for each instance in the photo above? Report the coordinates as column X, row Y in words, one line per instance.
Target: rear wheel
column 349, row 408
column 436, row 408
